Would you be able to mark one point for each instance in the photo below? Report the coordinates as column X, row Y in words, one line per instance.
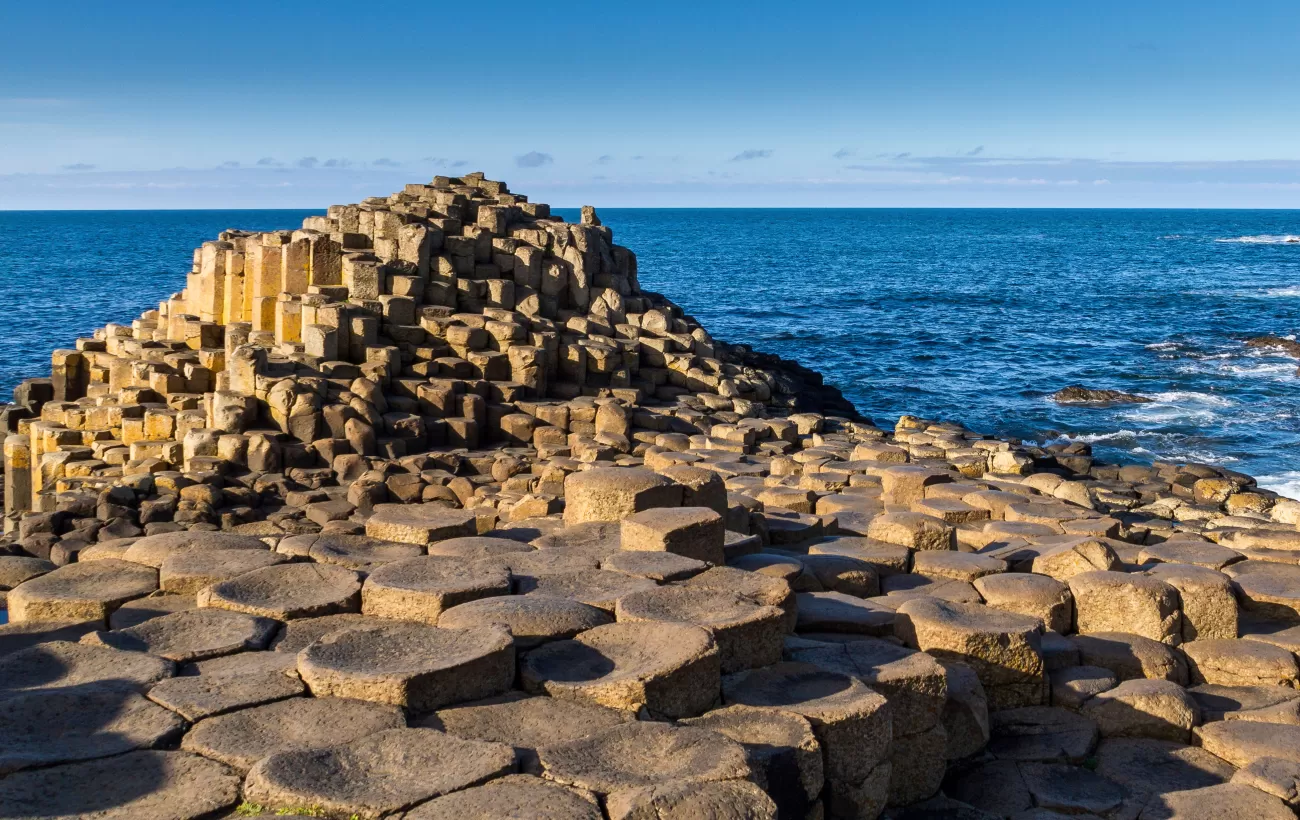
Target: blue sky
column 238, row 104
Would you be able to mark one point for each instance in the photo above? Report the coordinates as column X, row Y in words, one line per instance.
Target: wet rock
column 1078, row 394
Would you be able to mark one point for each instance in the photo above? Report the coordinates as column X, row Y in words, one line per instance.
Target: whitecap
column 1290, row 290
column 1188, row 396
column 1264, row 239
column 1285, row 483
column 1163, row 346
column 1095, row 438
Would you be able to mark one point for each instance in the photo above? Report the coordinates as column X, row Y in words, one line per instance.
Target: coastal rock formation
column 428, row 509
column 1078, row 394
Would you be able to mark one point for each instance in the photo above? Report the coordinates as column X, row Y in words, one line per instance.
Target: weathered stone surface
column 61, row 665
column 192, row 635
column 1144, row 708
column 242, row 738
column 1230, row 801
column 153, row 550
column 137, row 611
column 1267, row 589
column 959, row 566
column 42, row 728
column 1131, row 656
column 1115, row 601
column 1280, row 778
column 1147, row 767
column 1224, row 702
column 140, row 785
column 661, row 567
column 531, row 619
column 1003, row 648
column 851, row 722
column 1196, row 553
column 80, row 592
column 421, row 589
column 195, row 697
column 1041, row 733
column 837, row 612
column 1241, row 663
column 965, row 714
column 473, row 548
column 360, row 552
column 613, row 493
column 17, row 637
column 1074, row 557
column 525, row 723
column 187, row 571
column 1038, row 596
column 643, row 754
column 1070, row 789
column 511, row 796
column 1073, row 685
column 1206, row 598
column 420, row 524
column 913, row 530
column 691, row 532
column 748, row 634
column 1241, row 741
column 724, row 800
column 915, row 684
column 375, row 775
column 594, row 587
column 412, row 665
column 287, row 591
column 668, row 669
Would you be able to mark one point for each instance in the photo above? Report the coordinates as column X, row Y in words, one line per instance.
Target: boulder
column 420, row 524
column 1037, row 596
column 1155, row 709
column 691, row 532
column 422, row 589
column 747, row 634
column 1114, row 601
column 614, row 493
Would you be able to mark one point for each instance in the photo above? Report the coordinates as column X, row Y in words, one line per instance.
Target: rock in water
column 1078, row 394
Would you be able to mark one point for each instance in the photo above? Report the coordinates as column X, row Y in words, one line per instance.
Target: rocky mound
column 428, row 510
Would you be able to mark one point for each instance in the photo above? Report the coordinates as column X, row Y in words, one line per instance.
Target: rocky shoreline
column 428, row 509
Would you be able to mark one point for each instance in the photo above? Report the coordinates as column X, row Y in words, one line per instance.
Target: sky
column 667, row 104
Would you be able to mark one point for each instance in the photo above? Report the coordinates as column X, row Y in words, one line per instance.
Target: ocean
column 968, row 315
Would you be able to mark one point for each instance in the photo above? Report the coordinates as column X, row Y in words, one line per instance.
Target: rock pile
column 427, row 510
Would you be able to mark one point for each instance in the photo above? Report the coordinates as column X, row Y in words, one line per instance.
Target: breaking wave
column 1264, row 239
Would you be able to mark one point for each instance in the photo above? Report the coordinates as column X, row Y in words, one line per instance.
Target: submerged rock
column 1078, row 394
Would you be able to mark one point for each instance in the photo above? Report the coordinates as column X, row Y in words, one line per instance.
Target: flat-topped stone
column 660, row 567
column 1196, row 553
column 360, row 552
column 61, row 665
column 748, row 634
column 886, row 558
column 1266, row 589
column 1149, row 767
column 685, row 801
column 1110, row 601
column 1230, row 801
column 474, row 547
column 959, row 566
column 1230, row 662
column 642, row 753
column 691, row 532
column 42, row 728
column 531, row 619
column 185, row 572
column 525, row 722
column 1037, row 596
column 1041, row 734
column 1206, row 598
column 1131, row 656
column 192, row 635
column 420, row 524
column 421, row 589
column 138, row 610
column 668, row 669
column 287, row 591
column 376, row 775
column 524, row 795
column 80, row 592
column 242, row 738
column 915, row 683
column 614, row 493
column 1144, row 708
column 837, row 612
column 412, row 665
column 1241, row 741
column 595, row 587
column 913, row 530
column 139, row 785
column 1076, row 555
column 152, row 550
column 195, row 697
column 298, row 633
column 14, row 569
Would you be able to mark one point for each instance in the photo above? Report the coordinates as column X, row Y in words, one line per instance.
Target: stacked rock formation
column 427, row 510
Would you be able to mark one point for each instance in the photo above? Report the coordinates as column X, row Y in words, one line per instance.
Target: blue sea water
column 971, row 315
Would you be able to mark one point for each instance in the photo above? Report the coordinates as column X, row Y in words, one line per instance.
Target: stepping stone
column 192, row 635
column 748, row 635
column 376, row 775
column 1073, row 685
column 1206, row 598
column 1231, row 801
column 152, row 550
column 687, row 801
column 421, row 589
column 1201, row 554
column 1114, row 601
column 1280, row 778
column 959, row 566
column 188, row 571
column 1041, row 734
column 691, row 532
column 14, row 569
column 1223, row 702
column 136, row 612
column 1144, row 708
column 913, row 530
column 902, row 588
column 60, row 665
column 661, row 567
column 758, row 588
column 966, row 714
column 141, row 785
column 42, row 728
column 1076, row 556
column 1131, row 656
column 915, row 684
column 531, row 619
column 669, row 670
column 287, row 591
column 1241, row 741
column 1003, row 648
column 195, row 697
column 17, row 637
column 1266, row 589
column 595, row 539
column 785, row 567
column 242, row 738
column 852, row 722
column 80, row 592
column 839, row 573
column 473, row 548
column 412, row 665
column 1037, row 596
column 297, row 634
column 245, row 663
column 995, row 787
column 643, row 753
column 539, row 563
column 1070, row 789
column 360, row 552
column 888, row 559
column 1047, row 514
column 524, row 723
column 837, row 612
column 780, row 748
column 594, row 587
column 420, row 524
column 1147, row 767
column 528, row 796
column 1241, row 663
